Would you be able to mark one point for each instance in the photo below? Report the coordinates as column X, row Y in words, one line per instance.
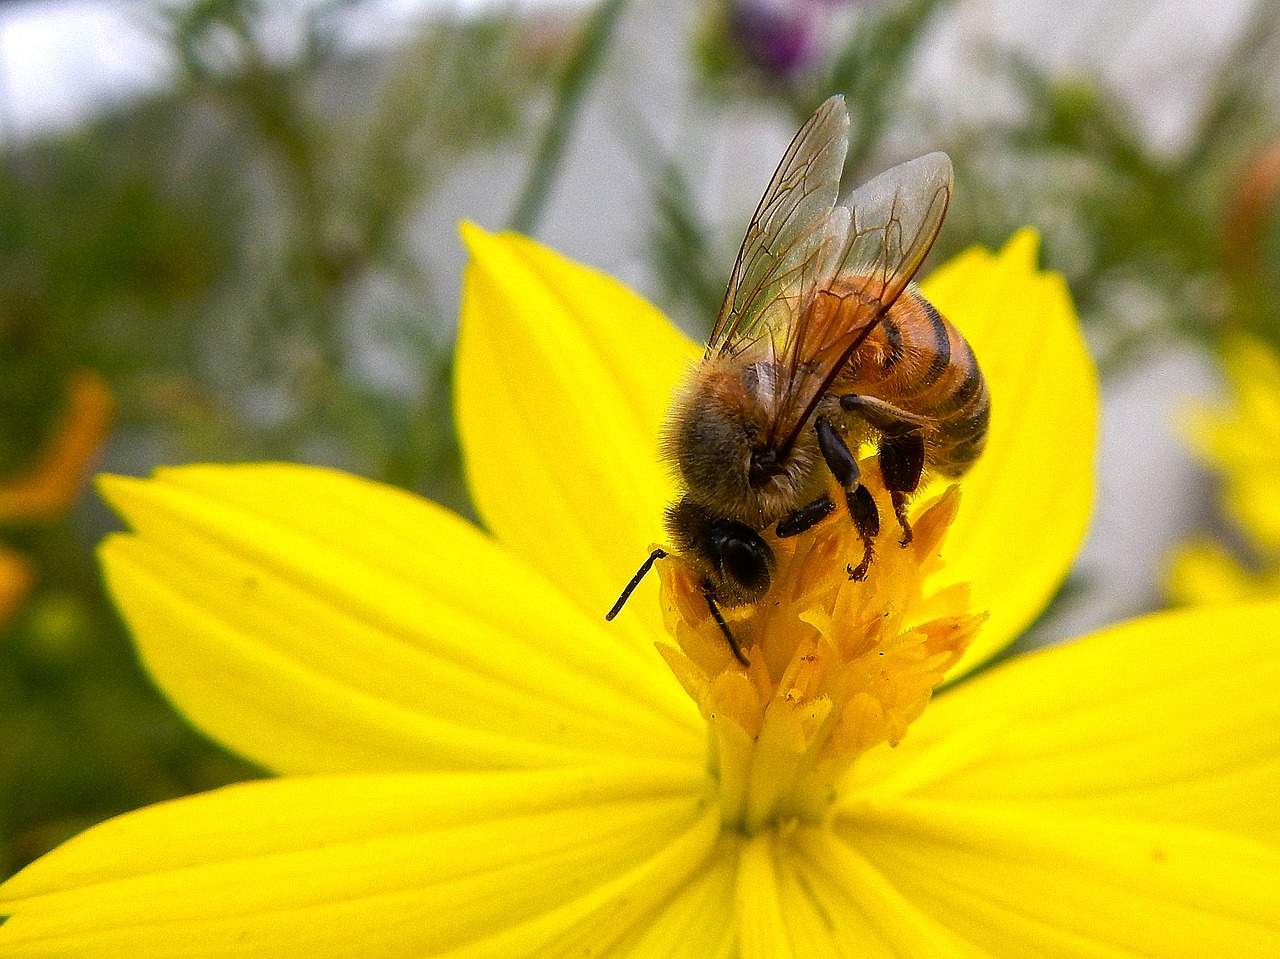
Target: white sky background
column 60, row 62
column 63, row 61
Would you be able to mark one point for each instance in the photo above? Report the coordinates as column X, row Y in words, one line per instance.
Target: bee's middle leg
column 862, row 506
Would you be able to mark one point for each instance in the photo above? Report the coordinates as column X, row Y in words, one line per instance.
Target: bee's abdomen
column 920, row 363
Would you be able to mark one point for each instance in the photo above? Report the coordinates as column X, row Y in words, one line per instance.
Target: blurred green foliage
column 1148, row 236
column 207, row 251
column 220, row 252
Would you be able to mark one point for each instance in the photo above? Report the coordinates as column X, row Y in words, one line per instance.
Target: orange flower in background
column 53, row 481
column 16, row 580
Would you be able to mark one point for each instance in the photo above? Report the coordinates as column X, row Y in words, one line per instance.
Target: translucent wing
column 885, row 230
column 788, row 249
column 894, row 221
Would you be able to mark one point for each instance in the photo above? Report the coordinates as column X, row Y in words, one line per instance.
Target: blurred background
column 228, row 232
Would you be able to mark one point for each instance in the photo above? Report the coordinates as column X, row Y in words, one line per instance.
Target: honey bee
column 820, row 346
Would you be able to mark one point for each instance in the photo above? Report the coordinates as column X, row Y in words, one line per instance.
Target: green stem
column 580, row 68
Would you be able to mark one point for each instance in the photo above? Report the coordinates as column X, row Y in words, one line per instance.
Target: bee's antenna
column 738, row 654
column 647, row 565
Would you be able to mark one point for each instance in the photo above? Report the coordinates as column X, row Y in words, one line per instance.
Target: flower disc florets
column 837, row 665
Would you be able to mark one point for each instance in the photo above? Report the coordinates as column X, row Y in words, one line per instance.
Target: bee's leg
column 805, row 518
column 724, row 627
column 862, row 506
column 881, row 415
column 901, row 463
column 866, row 518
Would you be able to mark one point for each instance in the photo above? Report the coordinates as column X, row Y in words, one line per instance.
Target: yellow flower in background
column 475, row 765
column 49, row 486
column 1241, row 445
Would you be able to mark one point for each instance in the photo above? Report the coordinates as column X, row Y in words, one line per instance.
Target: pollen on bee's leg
column 835, row 667
column 899, row 500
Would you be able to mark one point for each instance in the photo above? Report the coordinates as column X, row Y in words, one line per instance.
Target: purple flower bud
column 780, row 37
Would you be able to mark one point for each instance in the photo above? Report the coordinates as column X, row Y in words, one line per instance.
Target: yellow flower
column 1241, row 445
column 476, row 765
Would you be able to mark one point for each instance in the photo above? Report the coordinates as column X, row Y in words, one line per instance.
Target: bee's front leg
column 805, row 518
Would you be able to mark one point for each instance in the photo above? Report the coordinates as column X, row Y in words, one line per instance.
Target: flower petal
column 1114, row 797
column 1021, row 882
column 563, row 378
column 1204, row 571
column 699, row 920
column 1027, row 500
column 1171, row 718
column 809, row 894
column 861, row 906
column 1239, row 443
column 764, row 932
column 448, row 865
column 316, row 622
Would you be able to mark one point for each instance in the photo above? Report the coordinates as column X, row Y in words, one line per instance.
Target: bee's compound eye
column 746, row 561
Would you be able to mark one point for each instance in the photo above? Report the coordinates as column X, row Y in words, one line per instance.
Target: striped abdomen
column 917, row 362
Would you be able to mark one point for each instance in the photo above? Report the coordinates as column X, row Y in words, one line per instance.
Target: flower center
column 837, row 665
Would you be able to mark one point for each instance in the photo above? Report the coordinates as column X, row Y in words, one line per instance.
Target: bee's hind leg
column 901, row 449
column 862, row 506
column 901, row 464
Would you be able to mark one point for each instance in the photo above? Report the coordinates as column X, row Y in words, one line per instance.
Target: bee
column 821, row 345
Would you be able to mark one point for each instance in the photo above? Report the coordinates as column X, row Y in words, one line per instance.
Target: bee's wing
column 895, row 219
column 885, row 230
column 788, row 249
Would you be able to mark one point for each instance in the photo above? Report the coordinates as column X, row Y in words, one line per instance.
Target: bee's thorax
column 717, row 439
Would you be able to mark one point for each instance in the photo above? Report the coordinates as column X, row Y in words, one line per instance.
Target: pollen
column 837, row 666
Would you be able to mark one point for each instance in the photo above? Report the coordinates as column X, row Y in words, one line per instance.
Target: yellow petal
column 1204, row 571
column 699, row 920
column 462, row 865
column 1022, row 883
column 806, row 893
column 863, row 907
column 1172, row 719
column 1240, row 443
column 316, row 622
column 563, row 378
column 1027, row 501
column 764, row 932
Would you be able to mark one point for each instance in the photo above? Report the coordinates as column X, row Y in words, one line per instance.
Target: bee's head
column 716, row 439
column 733, row 560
